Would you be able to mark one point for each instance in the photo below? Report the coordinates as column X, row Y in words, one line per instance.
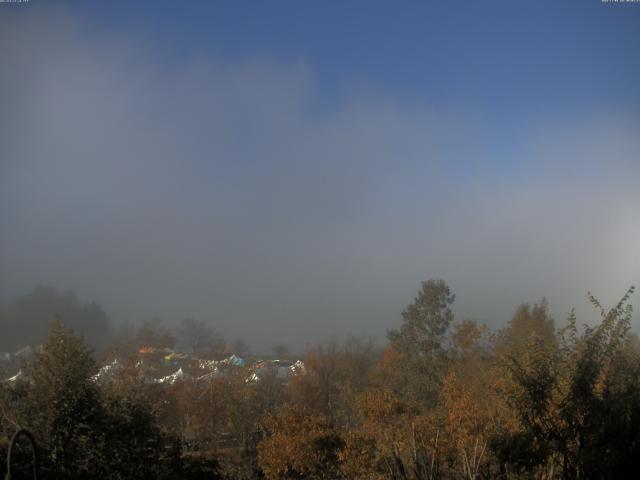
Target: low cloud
column 214, row 189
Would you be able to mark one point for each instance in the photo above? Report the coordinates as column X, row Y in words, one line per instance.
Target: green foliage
column 61, row 404
column 84, row 432
column 131, row 442
column 425, row 321
column 419, row 365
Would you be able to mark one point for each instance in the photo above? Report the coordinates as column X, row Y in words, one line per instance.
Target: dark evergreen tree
column 419, row 360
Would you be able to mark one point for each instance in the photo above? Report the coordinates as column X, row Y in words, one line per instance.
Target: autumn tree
column 471, row 409
column 578, row 402
column 153, row 333
column 529, row 341
column 469, row 338
column 196, row 335
column 299, row 445
column 393, row 440
column 529, row 325
column 335, row 373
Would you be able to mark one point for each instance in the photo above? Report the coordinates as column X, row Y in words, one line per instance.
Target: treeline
column 26, row 320
column 445, row 399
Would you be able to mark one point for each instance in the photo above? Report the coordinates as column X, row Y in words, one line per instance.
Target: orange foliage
column 299, row 444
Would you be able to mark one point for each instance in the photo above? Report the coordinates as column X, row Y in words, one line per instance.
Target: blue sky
column 293, row 170
column 499, row 56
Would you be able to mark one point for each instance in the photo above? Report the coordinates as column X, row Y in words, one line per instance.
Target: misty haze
column 319, row 240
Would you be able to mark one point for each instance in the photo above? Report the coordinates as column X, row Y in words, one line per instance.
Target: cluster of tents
column 165, row 366
column 170, row 367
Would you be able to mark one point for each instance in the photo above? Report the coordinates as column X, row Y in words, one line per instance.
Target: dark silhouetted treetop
column 425, row 321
